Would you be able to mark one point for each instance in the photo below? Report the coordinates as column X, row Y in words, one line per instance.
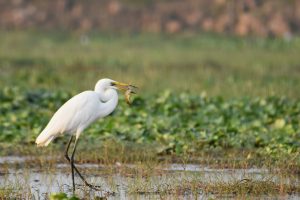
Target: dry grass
column 153, row 179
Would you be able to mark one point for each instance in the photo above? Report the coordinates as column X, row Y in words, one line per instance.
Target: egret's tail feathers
column 44, row 139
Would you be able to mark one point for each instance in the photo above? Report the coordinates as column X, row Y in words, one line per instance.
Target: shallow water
column 38, row 183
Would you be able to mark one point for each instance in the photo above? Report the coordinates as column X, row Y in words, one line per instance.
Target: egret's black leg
column 67, row 157
column 67, row 149
column 72, row 164
column 73, row 167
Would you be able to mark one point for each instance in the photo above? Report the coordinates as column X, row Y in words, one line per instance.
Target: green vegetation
column 218, row 101
column 172, row 122
column 62, row 196
column 220, row 66
column 211, row 103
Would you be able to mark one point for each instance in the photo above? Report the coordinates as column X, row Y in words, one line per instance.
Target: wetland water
column 117, row 183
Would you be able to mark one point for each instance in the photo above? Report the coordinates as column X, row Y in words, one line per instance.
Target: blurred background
column 218, row 86
column 212, row 74
column 227, row 48
column 247, row 17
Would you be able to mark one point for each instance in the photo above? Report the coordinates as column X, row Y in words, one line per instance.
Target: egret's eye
column 113, row 83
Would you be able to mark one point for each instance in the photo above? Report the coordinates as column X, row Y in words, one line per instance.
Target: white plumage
column 80, row 111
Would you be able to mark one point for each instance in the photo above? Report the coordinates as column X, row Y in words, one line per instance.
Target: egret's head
column 123, row 86
column 112, row 84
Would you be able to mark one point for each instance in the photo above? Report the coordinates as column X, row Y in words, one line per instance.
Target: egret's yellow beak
column 125, row 87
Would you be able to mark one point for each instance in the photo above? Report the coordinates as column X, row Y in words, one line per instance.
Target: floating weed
column 184, row 125
column 196, row 186
column 62, row 196
column 15, row 190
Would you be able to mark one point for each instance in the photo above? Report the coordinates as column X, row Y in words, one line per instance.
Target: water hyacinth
column 177, row 122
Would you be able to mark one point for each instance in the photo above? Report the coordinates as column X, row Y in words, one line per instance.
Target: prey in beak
column 127, row 89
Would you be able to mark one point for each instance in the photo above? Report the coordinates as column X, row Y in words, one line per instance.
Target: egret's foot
column 94, row 187
column 97, row 188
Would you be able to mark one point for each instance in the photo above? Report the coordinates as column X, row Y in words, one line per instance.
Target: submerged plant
column 62, row 196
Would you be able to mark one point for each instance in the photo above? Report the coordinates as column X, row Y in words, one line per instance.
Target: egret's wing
column 70, row 117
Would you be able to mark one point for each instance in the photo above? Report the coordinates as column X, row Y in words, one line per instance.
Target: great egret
column 79, row 112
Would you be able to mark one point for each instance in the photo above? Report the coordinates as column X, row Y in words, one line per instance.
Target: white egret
column 79, row 112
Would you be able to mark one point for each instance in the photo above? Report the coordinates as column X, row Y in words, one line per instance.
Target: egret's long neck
column 109, row 100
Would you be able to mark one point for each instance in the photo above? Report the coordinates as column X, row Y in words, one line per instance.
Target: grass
column 164, row 124
column 216, row 65
column 216, row 101
column 150, row 180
